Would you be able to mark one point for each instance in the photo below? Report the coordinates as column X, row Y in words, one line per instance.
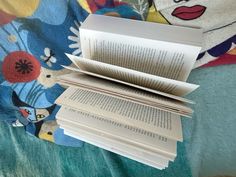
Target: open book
column 125, row 94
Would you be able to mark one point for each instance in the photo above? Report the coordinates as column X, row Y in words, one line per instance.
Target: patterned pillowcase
column 216, row 18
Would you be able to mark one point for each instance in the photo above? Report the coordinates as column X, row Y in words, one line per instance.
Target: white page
column 149, row 155
column 75, row 127
column 116, row 147
column 133, row 114
column 163, row 107
column 130, row 134
column 135, row 77
column 125, row 92
column 168, row 51
column 144, row 29
column 132, row 85
column 120, row 150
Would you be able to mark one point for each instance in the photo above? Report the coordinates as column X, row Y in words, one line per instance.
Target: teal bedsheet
column 209, row 146
column 27, row 156
column 210, row 139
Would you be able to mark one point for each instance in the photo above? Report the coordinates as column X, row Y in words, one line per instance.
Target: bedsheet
column 209, row 146
column 34, row 35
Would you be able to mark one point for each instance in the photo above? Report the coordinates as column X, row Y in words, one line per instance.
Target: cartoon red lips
column 188, row 13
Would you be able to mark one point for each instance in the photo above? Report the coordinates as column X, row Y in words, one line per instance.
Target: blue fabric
column 38, row 41
column 209, row 146
column 28, row 156
column 210, row 139
column 62, row 139
column 32, row 47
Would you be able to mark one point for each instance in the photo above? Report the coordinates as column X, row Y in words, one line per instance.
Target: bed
column 33, row 39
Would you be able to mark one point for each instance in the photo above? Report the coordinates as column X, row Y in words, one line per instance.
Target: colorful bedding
column 35, row 34
column 34, row 38
column 217, row 19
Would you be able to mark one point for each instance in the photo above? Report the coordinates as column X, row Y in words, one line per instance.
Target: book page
column 156, row 61
column 130, row 134
column 135, row 77
column 116, row 147
column 163, row 50
column 125, row 92
column 177, row 98
column 129, row 113
column 69, row 126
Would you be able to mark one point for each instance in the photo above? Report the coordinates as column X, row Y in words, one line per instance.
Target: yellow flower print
column 19, row 8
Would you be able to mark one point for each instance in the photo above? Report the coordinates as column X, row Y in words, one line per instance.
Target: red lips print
column 188, row 13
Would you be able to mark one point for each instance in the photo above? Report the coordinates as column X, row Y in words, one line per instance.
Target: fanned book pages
column 126, row 93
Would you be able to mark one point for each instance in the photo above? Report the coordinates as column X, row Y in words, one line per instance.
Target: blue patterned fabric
column 209, row 146
column 33, row 39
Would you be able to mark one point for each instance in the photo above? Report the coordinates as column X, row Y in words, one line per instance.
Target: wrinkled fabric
column 216, row 18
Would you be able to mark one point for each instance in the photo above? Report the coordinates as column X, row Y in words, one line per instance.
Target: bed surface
column 38, row 34
column 209, row 146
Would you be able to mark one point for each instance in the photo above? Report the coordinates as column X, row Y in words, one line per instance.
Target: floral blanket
column 34, row 35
